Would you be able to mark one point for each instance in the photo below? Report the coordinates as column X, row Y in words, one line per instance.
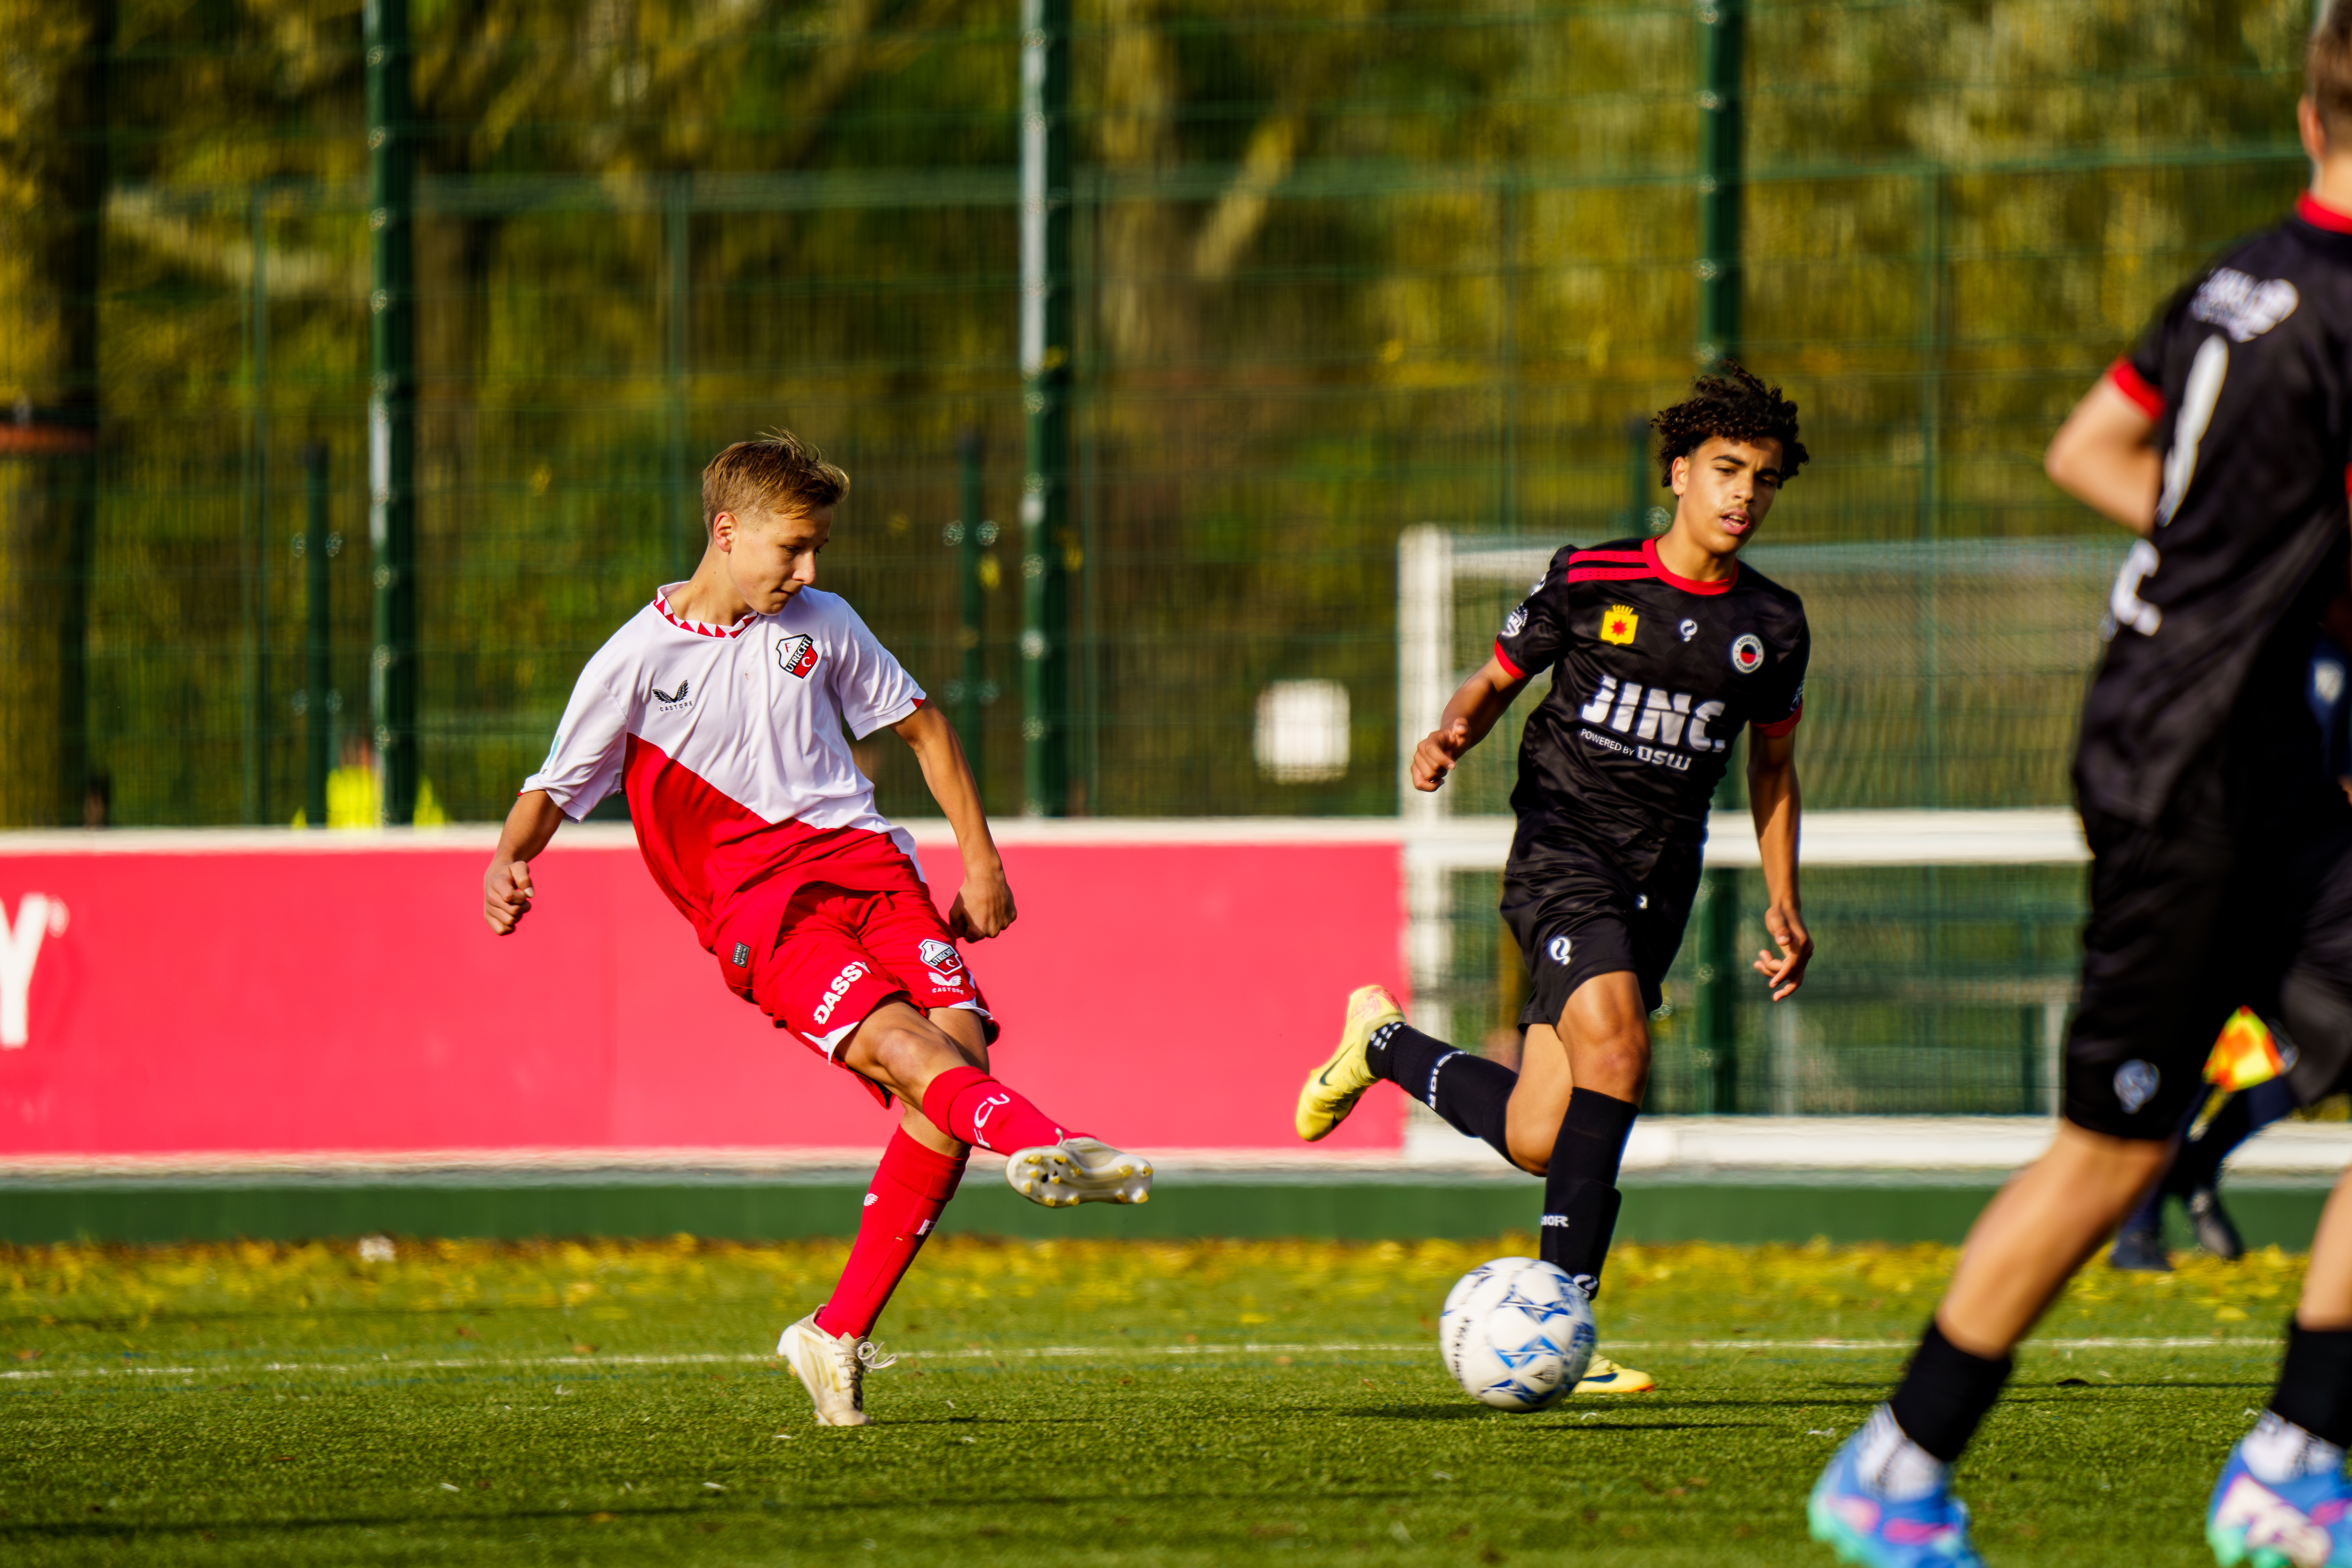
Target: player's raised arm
column 1772, row 798
column 1471, row 712
column 506, row 885
column 983, row 905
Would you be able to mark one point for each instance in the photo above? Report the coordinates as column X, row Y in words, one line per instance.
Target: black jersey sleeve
column 2139, row 375
column 1534, row 633
column 1784, row 701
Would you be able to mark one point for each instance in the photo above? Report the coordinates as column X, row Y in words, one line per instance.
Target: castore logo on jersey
column 671, row 702
column 797, row 656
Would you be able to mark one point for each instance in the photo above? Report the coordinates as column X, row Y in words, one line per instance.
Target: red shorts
column 838, row 954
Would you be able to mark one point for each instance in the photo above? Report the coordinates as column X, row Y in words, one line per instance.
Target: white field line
column 1042, row 1352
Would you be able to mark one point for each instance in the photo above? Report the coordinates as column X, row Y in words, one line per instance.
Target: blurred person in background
column 2222, row 862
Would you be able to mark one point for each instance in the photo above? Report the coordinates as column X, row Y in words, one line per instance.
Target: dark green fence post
column 259, row 732
column 1723, row 26
column 678, row 241
column 1046, row 540
column 1639, row 483
column 318, row 755
column 1722, row 33
column 970, row 603
column 391, row 404
column 1719, row 991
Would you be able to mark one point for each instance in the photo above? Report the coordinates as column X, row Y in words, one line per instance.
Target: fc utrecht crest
column 797, row 656
column 940, row 956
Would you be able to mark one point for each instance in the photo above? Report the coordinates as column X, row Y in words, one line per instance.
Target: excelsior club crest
column 1748, row 653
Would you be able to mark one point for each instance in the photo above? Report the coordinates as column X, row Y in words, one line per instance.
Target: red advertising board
column 255, row 994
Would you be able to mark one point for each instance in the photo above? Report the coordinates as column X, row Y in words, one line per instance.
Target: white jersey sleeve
column 872, row 688
column 590, row 747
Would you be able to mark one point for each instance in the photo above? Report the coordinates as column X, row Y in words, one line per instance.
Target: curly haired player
column 1663, row 650
column 719, row 709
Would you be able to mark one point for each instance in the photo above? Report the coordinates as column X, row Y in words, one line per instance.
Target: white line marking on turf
column 1040, row 1352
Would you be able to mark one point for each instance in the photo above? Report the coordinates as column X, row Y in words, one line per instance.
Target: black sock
column 2315, row 1386
column 1472, row 1093
column 1580, row 1196
column 1945, row 1395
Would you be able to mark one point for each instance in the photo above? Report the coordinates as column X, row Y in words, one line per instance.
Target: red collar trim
column 661, row 603
column 1687, row 584
column 2308, row 208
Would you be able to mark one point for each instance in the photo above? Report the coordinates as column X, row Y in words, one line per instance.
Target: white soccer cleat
column 833, row 1370
column 1078, row 1171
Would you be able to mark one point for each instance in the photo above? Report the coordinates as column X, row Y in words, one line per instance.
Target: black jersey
column 2248, row 373
column 1654, row 676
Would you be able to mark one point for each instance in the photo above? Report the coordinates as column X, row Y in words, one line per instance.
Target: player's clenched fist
column 983, row 907
column 505, row 894
column 1438, row 752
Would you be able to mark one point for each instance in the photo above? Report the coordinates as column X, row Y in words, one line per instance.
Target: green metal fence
column 1332, row 273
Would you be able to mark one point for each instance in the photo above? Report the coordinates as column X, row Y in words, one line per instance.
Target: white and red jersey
column 728, row 742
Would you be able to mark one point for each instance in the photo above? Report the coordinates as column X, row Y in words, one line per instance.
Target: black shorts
column 1576, row 912
column 2210, row 909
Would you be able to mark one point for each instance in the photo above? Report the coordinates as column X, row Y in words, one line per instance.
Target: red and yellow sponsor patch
column 1618, row 623
column 2245, row 1055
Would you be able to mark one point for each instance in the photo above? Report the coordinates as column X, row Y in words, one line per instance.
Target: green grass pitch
column 1078, row 1402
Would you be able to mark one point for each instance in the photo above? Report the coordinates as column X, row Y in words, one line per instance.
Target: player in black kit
column 2221, row 864
column 1662, row 650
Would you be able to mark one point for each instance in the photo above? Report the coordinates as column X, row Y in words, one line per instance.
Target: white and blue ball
column 1516, row 1334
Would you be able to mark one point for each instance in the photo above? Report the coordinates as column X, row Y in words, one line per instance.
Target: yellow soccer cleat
column 1332, row 1090
column 1605, row 1377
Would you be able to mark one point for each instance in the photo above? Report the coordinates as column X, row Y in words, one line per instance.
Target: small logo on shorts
column 2136, row 1082
column 939, row 955
column 1557, row 948
column 743, row 956
column 1748, row 653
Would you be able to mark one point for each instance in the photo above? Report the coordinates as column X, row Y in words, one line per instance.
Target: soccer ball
column 1516, row 1334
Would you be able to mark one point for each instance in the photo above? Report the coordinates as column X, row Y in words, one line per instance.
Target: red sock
column 910, row 1188
column 966, row 1103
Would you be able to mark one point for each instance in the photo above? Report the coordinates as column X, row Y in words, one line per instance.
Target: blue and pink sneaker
column 1873, row 1531
column 2303, row 1523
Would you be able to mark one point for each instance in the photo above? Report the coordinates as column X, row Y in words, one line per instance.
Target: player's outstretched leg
column 828, row 1349
column 1375, row 1042
column 1043, row 1163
